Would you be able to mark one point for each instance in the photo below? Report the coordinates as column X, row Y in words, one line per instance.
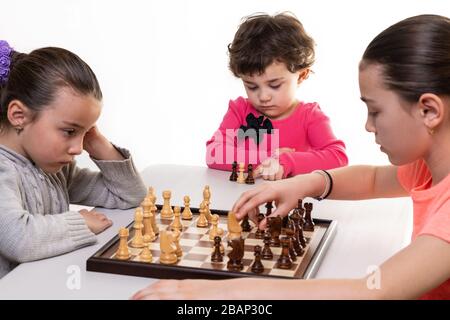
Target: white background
column 162, row 65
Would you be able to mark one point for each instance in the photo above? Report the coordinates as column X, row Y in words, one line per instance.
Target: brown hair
column 35, row 78
column 262, row 39
column 414, row 55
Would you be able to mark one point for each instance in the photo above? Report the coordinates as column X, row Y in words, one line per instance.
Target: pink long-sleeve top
column 307, row 130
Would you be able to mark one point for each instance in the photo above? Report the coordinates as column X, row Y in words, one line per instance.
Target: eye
column 273, row 86
column 68, row 132
column 251, row 88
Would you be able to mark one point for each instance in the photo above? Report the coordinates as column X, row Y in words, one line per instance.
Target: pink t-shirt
column 431, row 210
column 307, row 130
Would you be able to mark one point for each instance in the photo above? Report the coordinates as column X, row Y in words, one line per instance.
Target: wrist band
column 328, row 184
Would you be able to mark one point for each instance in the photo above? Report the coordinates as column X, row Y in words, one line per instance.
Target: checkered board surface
column 196, row 259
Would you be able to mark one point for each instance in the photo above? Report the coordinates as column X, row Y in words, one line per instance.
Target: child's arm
column 25, row 236
column 118, row 185
column 326, row 152
column 409, row 274
column 349, row 183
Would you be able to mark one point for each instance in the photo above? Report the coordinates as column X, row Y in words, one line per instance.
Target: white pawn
column 176, row 224
column 202, row 222
column 166, row 211
column 187, row 213
column 138, row 239
column 215, row 230
column 241, row 177
column 123, row 253
column 146, row 255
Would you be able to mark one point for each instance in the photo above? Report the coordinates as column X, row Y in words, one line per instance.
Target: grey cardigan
column 35, row 221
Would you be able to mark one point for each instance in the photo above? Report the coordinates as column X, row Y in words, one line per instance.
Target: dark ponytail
column 415, row 56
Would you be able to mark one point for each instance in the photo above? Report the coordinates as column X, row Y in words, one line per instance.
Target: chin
column 51, row 170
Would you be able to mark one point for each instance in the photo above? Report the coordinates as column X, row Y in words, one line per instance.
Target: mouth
column 267, row 107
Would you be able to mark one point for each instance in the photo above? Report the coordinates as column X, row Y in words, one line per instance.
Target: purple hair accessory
column 5, row 61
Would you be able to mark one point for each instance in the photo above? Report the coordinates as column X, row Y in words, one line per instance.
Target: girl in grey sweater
column 50, row 100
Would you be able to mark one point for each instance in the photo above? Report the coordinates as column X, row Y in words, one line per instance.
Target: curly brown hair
column 262, row 39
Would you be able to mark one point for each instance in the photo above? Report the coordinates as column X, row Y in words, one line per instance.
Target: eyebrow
column 364, row 99
column 73, row 124
column 271, row 80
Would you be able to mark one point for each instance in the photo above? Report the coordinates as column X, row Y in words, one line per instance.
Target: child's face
column 55, row 137
column 396, row 124
column 273, row 92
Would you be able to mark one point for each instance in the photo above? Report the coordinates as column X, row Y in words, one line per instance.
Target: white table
column 368, row 232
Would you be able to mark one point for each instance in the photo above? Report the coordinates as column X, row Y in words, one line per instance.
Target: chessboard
column 195, row 260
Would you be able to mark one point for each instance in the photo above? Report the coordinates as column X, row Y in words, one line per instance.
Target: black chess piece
column 234, row 175
column 284, row 261
column 301, row 237
column 289, row 230
column 217, row 256
column 236, row 254
column 298, row 212
column 274, row 224
column 257, row 266
column 269, row 207
column 259, row 234
column 245, row 224
column 267, row 252
column 250, row 179
column 284, row 221
column 298, row 246
column 309, row 224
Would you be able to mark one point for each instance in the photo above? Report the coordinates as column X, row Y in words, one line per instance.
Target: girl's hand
column 269, row 169
column 99, row 147
column 285, row 193
column 96, row 221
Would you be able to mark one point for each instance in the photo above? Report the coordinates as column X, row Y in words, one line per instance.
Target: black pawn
column 259, row 234
column 298, row 212
column 267, row 252
column 234, row 175
column 257, row 266
column 250, row 179
column 284, row 261
column 217, row 256
column 275, row 230
column 245, row 224
column 269, row 207
column 309, row 224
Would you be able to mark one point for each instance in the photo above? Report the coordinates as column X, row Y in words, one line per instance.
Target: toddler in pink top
column 271, row 128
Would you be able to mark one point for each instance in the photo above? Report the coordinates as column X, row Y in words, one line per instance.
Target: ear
column 18, row 114
column 303, row 75
column 432, row 110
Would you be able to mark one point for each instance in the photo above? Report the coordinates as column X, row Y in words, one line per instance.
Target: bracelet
column 328, row 184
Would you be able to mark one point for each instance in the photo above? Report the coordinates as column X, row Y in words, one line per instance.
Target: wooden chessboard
column 197, row 249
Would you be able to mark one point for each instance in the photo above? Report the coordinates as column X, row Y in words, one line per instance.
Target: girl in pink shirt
column 273, row 56
column 404, row 80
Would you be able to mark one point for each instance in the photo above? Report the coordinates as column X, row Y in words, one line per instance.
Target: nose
column 76, row 147
column 370, row 126
column 264, row 96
